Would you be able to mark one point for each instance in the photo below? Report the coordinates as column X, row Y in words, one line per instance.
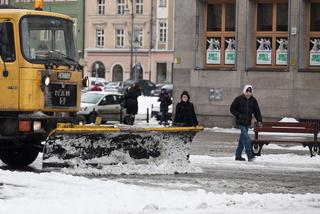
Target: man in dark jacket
column 131, row 103
column 165, row 102
column 242, row 108
column 185, row 114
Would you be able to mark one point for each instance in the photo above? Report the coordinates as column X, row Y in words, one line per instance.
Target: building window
column 4, row 2
column 220, row 34
column 98, row 70
column 120, row 7
column 161, row 72
column 162, row 3
column 271, row 33
column 117, row 74
column 314, row 34
column 139, row 7
column 101, row 7
column 163, row 31
column 138, row 37
column 119, row 38
column 100, row 38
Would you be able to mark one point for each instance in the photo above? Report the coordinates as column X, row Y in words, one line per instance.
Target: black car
column 146, row 86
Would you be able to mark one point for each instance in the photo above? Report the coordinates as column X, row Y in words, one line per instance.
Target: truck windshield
column 48, row 38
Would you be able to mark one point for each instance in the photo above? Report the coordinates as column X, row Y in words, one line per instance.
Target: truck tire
column 18, row 157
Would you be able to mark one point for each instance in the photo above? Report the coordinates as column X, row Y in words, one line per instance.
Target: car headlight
column 83, row 108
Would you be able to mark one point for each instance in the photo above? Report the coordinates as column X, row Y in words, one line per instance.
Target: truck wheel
column 18, row 157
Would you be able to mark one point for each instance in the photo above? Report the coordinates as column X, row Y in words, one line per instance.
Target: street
column 222, row 174
column 282, row 180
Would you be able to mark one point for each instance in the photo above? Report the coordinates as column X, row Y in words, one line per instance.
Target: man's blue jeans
column 244, row 142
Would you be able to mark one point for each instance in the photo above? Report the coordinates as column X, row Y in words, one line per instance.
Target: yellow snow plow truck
column 40, row 80
column 40, row 89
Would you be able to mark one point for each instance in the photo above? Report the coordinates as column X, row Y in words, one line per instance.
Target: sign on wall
column 230, row 51
column 282, row 51
column 314, row 51
column 215, row 94
column 264, row 51
column 213, row 51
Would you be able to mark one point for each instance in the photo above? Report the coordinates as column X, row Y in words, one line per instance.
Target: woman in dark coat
column 185, row 114
column 131, row 103
column 165, row 102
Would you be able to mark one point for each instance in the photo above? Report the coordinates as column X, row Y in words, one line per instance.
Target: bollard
column 147, row 115
column 121, row 115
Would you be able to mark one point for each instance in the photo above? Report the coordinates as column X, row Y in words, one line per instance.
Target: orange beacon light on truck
column 38, row 4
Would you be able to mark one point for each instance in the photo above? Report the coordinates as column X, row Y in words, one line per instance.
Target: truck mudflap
column 94, row 146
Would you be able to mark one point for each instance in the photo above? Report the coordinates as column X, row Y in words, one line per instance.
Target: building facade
column 274, row 45
column 4, row 1
column 72, row 8
column 129, row 39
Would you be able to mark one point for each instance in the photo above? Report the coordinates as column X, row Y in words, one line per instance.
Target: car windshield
column 48, row 38
column 92, row 98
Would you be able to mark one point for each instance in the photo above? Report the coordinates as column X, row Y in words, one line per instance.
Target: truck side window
column 8, row 52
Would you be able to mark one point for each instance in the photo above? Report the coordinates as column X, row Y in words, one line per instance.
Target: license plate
column 64, row 75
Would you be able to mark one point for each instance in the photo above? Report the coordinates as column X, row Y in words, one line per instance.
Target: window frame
column 274, row 34
column 120, row 7
column 10, row 54
column 310, row 34
column 139, row 7
column 101, row 7
column 163, row 32
column 100, row 37
column 222, row 34
column 138, row 34
column 119, row 38
column 162, row 3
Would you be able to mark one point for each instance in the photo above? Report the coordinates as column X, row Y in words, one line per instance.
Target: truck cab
column 40, row 80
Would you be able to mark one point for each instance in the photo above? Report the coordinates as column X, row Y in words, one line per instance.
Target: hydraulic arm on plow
column 86, row 145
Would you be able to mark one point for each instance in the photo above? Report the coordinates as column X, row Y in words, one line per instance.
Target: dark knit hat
column 185, row 93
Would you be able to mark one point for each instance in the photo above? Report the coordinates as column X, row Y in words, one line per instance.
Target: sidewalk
column 222, row 144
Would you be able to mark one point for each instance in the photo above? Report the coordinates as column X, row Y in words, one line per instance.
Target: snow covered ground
column 51, row 193
column 31, row 192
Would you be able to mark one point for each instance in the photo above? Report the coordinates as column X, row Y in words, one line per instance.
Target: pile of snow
column 288, row 120
column 147, row 103
column 163, row 167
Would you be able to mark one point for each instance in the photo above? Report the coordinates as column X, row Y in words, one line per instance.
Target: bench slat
column 284, row 129
column 282, row 141
column 287, row 124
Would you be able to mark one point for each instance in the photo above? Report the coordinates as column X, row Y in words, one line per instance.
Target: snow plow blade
column 73, row 146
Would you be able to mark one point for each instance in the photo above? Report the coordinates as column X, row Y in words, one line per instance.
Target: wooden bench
column 285, row 127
